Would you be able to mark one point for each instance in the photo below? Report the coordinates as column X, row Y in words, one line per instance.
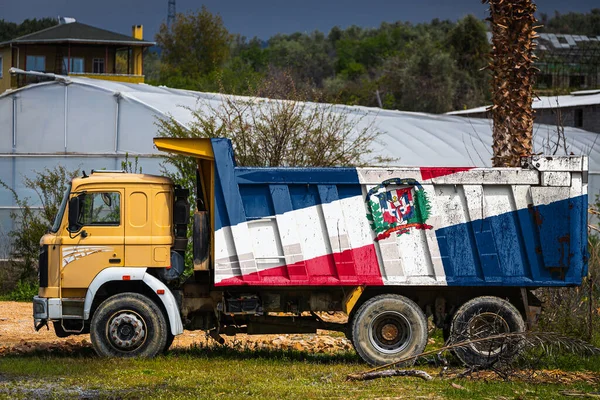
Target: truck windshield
column 61, row 210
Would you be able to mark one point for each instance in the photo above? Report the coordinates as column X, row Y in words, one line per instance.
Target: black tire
column 481, row 317
column 387, row 328
column 128, row 325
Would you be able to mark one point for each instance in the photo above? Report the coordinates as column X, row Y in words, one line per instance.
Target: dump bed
column 400, row 226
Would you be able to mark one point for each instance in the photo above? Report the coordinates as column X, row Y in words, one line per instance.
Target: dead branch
column 390, row 372
column 592, row 227
column 518, row 340
column 592, row 211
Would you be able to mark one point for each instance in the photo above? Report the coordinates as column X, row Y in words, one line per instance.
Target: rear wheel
column 128, row 325
column 388, row 328
column 483, row 317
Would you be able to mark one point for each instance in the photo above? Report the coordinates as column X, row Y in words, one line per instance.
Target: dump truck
column 270, row 250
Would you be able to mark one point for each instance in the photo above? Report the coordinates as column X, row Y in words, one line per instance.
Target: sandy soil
column 16, row 330
column 17, row 336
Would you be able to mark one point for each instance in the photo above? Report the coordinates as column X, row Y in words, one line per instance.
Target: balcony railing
column 20, row 80
column 110, row 77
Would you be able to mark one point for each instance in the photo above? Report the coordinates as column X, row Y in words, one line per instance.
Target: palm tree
column 513, row 76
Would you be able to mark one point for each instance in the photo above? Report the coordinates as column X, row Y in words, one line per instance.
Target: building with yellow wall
column 74, row 49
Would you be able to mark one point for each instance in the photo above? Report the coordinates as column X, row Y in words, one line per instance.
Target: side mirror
column 106, row 199
column 74, row 214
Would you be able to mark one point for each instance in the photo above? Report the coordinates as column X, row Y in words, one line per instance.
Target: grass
column 226, row 373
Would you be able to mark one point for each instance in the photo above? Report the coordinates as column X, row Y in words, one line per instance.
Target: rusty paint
column 564, row 239
column 564, row 242
column 537, row 217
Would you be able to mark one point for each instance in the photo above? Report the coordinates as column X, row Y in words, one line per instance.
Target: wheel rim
column 126, row 331
column 484, row 325
column 390, row 332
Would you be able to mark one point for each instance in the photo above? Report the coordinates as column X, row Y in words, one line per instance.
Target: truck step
column 72, row 316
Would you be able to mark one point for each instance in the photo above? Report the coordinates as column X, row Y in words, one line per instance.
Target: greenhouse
column 92, row 124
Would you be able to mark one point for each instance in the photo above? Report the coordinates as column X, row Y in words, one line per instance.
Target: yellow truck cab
column 124, row 221
column 121, row 226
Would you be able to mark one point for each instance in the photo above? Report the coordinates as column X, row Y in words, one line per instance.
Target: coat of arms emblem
column 399, row 209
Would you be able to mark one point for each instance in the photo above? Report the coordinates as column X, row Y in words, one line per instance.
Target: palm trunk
column 513, row 76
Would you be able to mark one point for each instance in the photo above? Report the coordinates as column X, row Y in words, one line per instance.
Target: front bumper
column 40, row 312
column 45, row 310
column 40, row 308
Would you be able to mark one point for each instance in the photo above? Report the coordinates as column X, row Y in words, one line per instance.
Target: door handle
column 114, row 260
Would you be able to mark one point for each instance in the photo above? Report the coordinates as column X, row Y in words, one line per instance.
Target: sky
column 263, row 18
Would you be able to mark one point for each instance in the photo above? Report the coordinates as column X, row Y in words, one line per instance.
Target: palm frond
column 512, row 344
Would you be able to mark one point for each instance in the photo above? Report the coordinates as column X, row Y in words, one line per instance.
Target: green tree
column 152, row 65
column 572, row 23
column 195, row 45
column 12, row 30
column 306, row 56
column 424, row 81
column 469, row 44
column 470, row 49
column 252, row 52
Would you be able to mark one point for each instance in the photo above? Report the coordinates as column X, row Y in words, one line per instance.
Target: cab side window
column 100, row 208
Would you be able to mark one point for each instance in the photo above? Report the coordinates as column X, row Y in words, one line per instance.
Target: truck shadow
column 245, row 351
column 197, row 350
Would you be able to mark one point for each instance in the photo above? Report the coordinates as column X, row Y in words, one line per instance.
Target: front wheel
column 128, row 325
column 388, row 328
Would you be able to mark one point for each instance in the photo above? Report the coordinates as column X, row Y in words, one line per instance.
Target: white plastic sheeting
column 89, row 123
column 575, row 99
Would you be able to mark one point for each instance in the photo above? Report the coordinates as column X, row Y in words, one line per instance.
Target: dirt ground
column 17, row 334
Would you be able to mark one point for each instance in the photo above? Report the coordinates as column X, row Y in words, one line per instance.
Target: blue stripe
column 312, row 176
column 282, row 201
column 543, row 245
column 243, row 194
column 228, row 202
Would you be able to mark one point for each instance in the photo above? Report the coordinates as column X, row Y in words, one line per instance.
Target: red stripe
column 435, row 172
column 350, row 267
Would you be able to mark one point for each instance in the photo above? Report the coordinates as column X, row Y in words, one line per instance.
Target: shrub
column 31, row 222
column 24, row 291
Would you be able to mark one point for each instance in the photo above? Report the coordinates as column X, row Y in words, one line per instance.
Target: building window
column 98, row 66
column 1, row 66
column 578, row 118
column 76, row 65
column 36, row 63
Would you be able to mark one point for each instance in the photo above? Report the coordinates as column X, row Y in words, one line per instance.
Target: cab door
column 100, row 243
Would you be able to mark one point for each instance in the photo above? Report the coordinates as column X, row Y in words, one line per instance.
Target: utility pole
column 513, row 76
column 171, row 14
